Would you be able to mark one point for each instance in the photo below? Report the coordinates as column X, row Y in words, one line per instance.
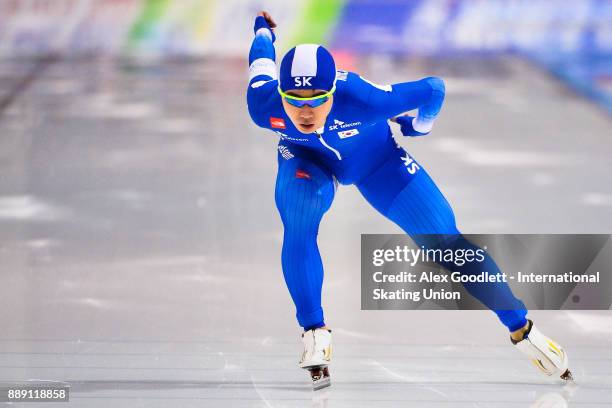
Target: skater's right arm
column 262, row 67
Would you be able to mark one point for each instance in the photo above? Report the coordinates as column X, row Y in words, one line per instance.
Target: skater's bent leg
column 419, row 208
column 304, row 192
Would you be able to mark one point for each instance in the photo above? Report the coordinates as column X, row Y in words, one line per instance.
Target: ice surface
column 140, row 244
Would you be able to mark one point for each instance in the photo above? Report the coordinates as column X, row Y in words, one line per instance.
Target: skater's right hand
column 264, row 20
column 268, row 18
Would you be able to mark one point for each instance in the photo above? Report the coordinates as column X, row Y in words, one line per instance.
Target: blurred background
column 140, row 244
column 571, row 39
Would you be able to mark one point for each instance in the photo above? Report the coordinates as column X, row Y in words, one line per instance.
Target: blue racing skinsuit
column 356, row 147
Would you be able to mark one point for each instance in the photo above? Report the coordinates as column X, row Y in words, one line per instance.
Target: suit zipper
column 336, row 152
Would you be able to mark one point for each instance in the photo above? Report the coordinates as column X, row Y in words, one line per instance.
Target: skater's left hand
column 405, row 121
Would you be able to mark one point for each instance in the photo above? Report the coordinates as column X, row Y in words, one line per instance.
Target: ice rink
column 140, row 243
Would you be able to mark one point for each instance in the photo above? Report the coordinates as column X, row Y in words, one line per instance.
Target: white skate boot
column 545, row 354
column 317, row 356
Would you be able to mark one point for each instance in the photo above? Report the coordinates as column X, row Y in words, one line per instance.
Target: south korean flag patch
column 348, row 133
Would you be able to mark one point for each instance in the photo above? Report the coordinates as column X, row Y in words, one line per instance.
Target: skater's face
column 308, row 119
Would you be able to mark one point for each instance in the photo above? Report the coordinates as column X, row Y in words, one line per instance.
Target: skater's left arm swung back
column 263, row 77
column 379, row 103
column 426, row 95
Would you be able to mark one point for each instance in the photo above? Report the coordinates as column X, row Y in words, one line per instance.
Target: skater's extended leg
column 304, row 192
column 419, row 208
column 496, row 296
column 403, row 192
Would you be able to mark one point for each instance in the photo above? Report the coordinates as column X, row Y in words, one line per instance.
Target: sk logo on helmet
column 302, row 81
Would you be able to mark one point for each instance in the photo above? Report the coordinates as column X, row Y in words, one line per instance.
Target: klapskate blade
column 322, row 382
column 320, row 377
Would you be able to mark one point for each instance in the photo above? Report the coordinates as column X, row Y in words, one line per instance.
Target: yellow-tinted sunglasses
column 313, row 101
